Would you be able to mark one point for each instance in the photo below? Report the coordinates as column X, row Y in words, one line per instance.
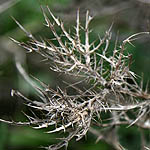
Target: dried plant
column 107, row 73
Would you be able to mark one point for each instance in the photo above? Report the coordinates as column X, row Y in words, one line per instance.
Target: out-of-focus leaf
column 29, row 137
column 3, row 135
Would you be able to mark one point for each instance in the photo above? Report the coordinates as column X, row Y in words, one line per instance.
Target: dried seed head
column 107, row 74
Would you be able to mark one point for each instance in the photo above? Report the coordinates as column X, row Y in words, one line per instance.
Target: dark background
column 128, row 16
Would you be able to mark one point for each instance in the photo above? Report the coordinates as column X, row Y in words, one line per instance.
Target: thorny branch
column 106, row 71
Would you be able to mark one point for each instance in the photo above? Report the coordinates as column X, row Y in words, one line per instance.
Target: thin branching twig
column 107, row 73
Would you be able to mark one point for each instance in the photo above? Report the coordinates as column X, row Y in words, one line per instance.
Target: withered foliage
column 107, row 73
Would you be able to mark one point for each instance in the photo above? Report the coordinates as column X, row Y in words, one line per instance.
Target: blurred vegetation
column 29, row 14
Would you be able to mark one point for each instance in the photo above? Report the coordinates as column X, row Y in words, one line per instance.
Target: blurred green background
column 128, row 16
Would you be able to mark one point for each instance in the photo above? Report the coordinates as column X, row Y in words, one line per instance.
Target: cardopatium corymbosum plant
column 106, row 74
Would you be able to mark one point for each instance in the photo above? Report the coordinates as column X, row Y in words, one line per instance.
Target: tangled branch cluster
column 107, row 72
